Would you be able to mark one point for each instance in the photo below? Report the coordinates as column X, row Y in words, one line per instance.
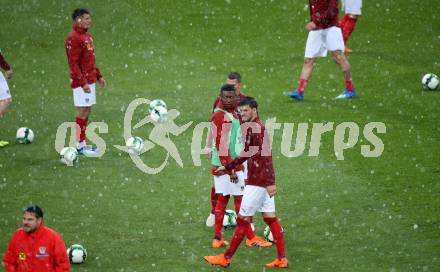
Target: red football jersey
column 81, row 58
column 260, row 164
column 324, row 13
column 219, row 119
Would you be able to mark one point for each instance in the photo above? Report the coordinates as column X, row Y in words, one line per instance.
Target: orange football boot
column 347, row 50
column 279, row 263
column 219, row 260
column 258, row 242
column 219, row 243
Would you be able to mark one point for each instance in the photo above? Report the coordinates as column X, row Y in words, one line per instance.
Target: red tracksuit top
column 260, row 164
column 40, row 251
column 324, row 13
column 81, row 58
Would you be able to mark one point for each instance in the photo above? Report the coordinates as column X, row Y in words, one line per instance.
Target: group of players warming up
column 247, row 174
column 241, row 157
column 242, row 167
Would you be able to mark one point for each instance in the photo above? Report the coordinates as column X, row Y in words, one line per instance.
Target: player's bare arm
column 102, row 83
column 310, row 26
column 86, row 88
column 271, row 190
column 9, row 74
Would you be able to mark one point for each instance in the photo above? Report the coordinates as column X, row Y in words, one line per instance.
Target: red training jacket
column 260, row 164
column 40, row 251
column 324, row 13
column 81, row 58
column 3, row 63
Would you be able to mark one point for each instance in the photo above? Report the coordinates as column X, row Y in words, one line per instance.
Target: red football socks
column 349, row 85
column 81, row 129
column 237, row 237
column 222, row 202
column 237, row 203
column 347, row 25
column 302, row 85
column 277, row 233
column 214, row 198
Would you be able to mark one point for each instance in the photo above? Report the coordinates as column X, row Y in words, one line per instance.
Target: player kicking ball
column 260, row 188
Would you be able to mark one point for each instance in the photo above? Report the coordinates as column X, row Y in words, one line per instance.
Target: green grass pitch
column 359, row 214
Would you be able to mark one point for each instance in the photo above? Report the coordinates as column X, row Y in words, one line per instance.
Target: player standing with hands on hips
column 83, row 74
column 324, row 35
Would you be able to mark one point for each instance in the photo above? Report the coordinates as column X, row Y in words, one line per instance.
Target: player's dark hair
column 227, row 88
column 235, row 75
column 35, row 210
column 79, row 12
column 249, row 101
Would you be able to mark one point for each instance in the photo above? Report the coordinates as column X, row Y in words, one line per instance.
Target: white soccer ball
column 69, row 156
column 267, row 234
column 159, row 114
column 157, row 103
column 430, row 81
column 230, row 219
column 25, row 135
column 134, row 145
column 77, row 254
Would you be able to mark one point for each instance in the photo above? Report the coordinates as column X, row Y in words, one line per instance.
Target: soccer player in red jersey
column 259, row 190
column 347, row 24
column 324, row 35
column 227, row 144
column 234, row 78
column 83, row 74
column 5, row 93
column 35, row 247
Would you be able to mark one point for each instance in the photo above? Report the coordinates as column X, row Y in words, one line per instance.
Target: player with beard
column 35, row 247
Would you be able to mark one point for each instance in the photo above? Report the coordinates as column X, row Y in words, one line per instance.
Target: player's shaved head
column 79, row 12
column 227, row 96
column 227, row 88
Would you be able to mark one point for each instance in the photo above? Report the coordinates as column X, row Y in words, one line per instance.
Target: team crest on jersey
column 42, row 252
column 22, row 256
